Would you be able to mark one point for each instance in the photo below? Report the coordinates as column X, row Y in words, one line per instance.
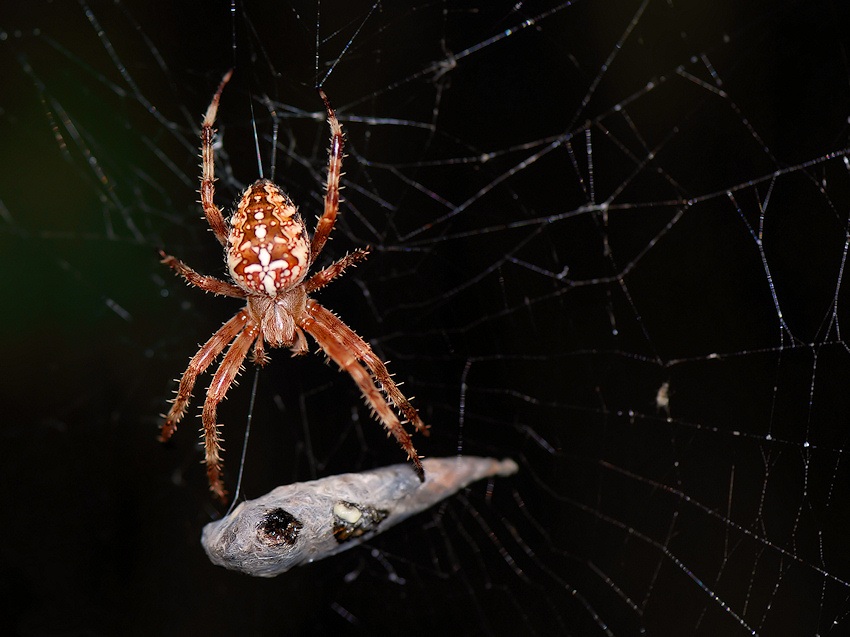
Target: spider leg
column 208, row 283
column 212, row 212
column 322, row 278
column 221, row 382
column 326, row 223
column 364, row 352
column 316, row 325
column 199, row 363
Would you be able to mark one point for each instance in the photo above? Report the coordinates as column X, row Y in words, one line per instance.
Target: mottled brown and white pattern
column 268, row 248
column 269, row 253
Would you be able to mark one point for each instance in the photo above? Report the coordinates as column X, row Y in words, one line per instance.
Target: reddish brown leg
column 347, row 361
column 364, row 352
column 221, row 382
column 208, row 283
column 326, row 223
column 321, row 279
column 212, row 212
column 200, row 361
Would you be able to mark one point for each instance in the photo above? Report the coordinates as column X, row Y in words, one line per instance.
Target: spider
column 269, row 254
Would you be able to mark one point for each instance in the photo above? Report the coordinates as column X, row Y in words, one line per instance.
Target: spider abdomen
column 268, row 249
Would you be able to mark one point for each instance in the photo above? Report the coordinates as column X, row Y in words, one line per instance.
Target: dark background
column 528, row 319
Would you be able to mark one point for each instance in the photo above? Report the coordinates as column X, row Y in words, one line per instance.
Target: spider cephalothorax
column 269, row 254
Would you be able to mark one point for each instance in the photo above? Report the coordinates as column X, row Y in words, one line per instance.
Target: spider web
column 607, row 241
